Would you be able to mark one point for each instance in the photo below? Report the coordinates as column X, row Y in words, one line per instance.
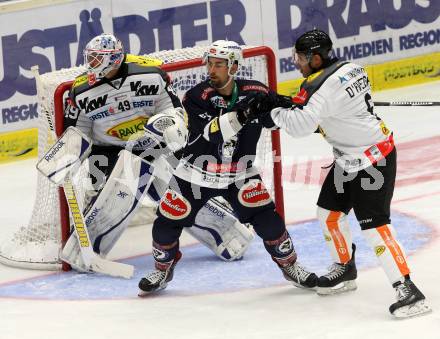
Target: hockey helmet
column 313, row 42
column 102, row 54
column 224, row 49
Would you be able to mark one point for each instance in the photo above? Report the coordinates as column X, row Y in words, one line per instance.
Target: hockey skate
column 340, row 278
column 299, row 276
column 410, row 301
column 158, row 279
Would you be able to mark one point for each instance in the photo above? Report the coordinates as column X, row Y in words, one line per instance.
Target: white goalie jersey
column 111, row 112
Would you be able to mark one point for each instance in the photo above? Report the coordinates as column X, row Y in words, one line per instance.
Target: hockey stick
column 90, row 258
column 407, row 103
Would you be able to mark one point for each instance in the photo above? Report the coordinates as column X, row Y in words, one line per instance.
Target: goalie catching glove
column 168, row 129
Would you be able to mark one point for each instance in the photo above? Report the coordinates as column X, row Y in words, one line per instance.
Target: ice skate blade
column 302, row 287
column 143, row 294
column 410, row 311
column 342, row 287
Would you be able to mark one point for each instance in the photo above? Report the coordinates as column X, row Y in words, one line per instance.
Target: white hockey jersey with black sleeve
column 337, row 102
column 113, row 111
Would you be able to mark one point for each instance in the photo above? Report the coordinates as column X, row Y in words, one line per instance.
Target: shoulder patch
column 314, row 82
column 143, row 60
column 214, row 126
column 256, row 88
column 79, row 80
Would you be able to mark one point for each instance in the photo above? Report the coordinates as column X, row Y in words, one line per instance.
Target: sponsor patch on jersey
column 127, row 129
column 227, row 149
column 254, row 194
column 231, row 167
column 214, row 126
column 82, row 79
column 219, row 101
column 174, row 206
column 384, row 128
column 255, row 88
column 301, row 97
column 379, row 250
column 206, row 92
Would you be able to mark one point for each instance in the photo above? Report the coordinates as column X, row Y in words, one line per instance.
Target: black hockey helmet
column 314, row 42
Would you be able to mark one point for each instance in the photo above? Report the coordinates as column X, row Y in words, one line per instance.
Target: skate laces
column 335, row 271
column 156, row 276
column 297, row 271
column 402, row 291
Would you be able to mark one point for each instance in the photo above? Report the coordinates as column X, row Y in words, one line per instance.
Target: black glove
column 283, row 101
column 246, row 108
column 258, row 105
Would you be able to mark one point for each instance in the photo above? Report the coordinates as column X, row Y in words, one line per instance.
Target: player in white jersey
column 111, row 103
column 335, row 99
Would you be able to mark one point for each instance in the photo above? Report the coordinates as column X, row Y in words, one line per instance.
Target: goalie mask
column 102, row 54
column 223, row 49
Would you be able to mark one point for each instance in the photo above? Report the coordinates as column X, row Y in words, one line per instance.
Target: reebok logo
column 54, row 150
column 92, row 216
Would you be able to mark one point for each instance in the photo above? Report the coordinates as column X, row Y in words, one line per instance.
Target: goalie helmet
column 224, row 49
column 102, row 54
column 314, row 42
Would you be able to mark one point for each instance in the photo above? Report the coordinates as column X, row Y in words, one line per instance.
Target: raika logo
column 127, row 129
column 93, row 104
column 140, row 89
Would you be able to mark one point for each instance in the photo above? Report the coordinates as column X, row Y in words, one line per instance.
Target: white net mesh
column 38, row 244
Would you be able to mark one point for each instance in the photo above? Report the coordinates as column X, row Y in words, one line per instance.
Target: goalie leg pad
column 218, row 229
column 116, row 204
column 71, row 254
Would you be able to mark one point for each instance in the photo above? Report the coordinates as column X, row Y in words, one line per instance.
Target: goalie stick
column 407, row 103
column 95, row 262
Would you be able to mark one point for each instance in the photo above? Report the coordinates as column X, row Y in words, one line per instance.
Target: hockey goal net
column 37, row 245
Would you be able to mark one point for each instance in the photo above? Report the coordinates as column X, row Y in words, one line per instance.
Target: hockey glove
column 247, row 107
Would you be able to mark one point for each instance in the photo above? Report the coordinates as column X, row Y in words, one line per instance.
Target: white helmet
column 224, row 49
column 102, row 54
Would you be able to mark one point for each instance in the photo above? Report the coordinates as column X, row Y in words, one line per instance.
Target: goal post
column 49, row 226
